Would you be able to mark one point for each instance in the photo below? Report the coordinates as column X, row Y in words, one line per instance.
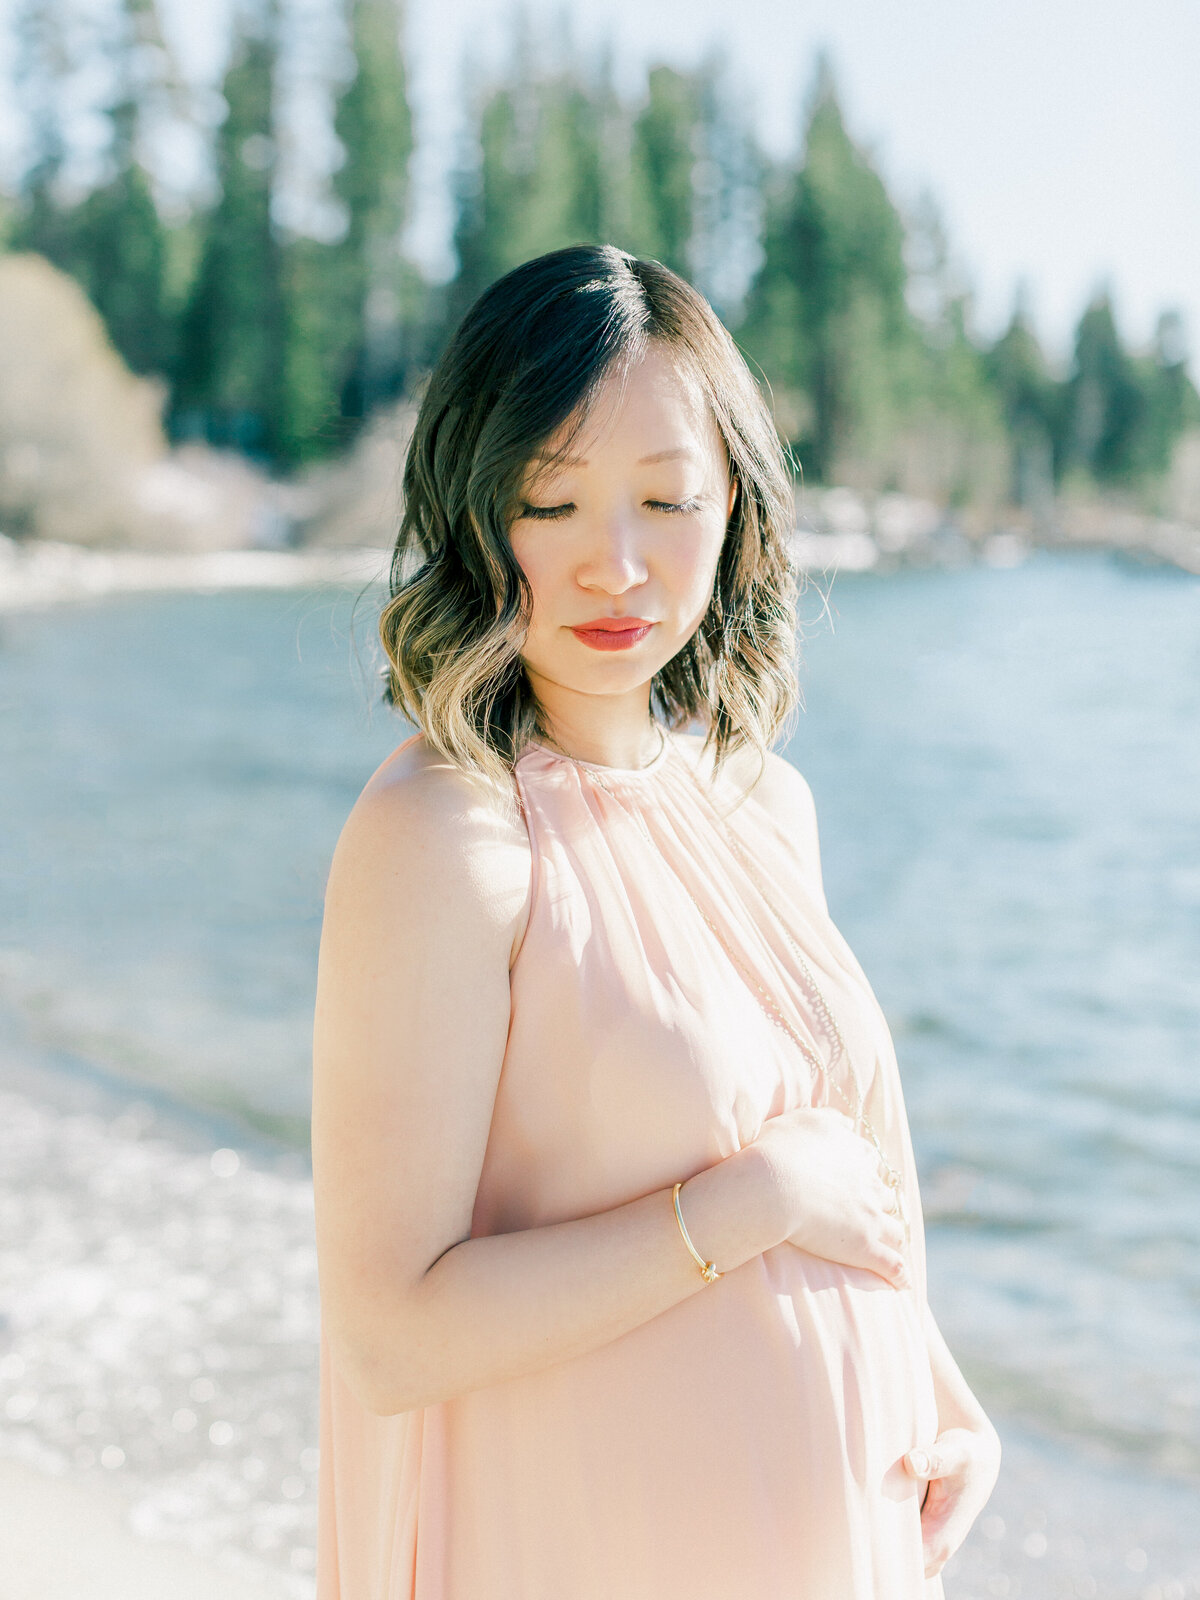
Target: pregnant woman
column 620, row 1241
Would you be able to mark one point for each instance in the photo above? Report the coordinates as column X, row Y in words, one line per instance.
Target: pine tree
column 1171, row 402
column 120, row 244
column 827, row 313
column 1031, row 402
column 666, row 136
column 47, row 58
column 727, row 183
column 232, row 373
column 543, row 175
column 374, row 123
column 1105, row 404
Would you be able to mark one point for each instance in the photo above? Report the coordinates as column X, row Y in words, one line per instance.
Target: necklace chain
column 594, row 766
column 890, row 1176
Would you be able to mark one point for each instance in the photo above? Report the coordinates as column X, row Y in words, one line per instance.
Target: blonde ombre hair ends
column 526, row 361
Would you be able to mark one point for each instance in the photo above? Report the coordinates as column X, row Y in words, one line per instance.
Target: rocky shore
column 840, row 528
column 837, row 530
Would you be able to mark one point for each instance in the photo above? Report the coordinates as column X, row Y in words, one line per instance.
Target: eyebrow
column 660, row 455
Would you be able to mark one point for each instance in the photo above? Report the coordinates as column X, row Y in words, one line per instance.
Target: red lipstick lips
column 612, row 633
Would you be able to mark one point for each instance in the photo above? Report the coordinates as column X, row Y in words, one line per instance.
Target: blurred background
column 959, row 246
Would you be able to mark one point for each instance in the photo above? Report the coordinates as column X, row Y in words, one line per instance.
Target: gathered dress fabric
column 747, row 1443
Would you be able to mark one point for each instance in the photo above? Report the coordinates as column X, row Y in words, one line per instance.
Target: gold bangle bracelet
column 708, row 1269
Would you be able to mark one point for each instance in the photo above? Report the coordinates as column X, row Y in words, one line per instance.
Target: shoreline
column 37, row 573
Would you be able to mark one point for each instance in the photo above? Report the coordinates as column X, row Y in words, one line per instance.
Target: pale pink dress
column 747, row 1443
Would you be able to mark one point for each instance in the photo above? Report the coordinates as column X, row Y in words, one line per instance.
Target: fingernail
column 919, row 1462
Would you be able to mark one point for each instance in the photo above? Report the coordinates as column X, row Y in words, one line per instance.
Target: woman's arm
column 961, row 1464
column 425, row 893
column 957, row 1406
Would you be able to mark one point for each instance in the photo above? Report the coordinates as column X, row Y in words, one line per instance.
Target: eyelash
column 557, row 513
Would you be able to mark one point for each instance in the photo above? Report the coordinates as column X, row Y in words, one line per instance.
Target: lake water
column 1007, row 774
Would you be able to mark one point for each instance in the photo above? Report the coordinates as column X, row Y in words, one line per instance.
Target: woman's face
column 630, row 526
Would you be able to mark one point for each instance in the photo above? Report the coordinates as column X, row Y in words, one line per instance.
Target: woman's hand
column 836, row 1201
column 962, row 1466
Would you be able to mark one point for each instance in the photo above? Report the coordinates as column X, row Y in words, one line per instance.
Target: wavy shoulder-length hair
column 528, row 360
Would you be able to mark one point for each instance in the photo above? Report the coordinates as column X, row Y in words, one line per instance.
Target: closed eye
column 547, row 513
column 682, row 508
column 555, row 513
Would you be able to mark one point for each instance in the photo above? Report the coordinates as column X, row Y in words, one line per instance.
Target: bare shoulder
column 412, row 1012
column 780, row 789
column 784, row 791
column 424, row 823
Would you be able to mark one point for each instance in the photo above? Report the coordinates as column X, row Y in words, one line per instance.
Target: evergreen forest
column 278, row 336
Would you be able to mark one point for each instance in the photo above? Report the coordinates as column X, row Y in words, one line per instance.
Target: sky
column 1060, row 138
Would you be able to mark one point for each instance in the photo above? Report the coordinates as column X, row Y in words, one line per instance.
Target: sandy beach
column 62, row 1540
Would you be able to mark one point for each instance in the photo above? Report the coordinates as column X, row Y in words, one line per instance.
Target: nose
column 614, row 560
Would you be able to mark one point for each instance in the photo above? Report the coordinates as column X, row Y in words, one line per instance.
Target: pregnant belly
column 752, row 1433
column 860, row 1351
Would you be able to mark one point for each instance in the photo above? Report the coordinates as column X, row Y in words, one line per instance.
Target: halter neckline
column 599, row 766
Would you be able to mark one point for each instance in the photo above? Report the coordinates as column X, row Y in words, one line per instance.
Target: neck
column 613, row 731
column 642, row 757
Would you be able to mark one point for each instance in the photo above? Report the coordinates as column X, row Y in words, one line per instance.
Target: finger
column 887, row 1233
column 949, row 1454
column 891, row 1234
column 890, row 1264
column 925, row 1463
